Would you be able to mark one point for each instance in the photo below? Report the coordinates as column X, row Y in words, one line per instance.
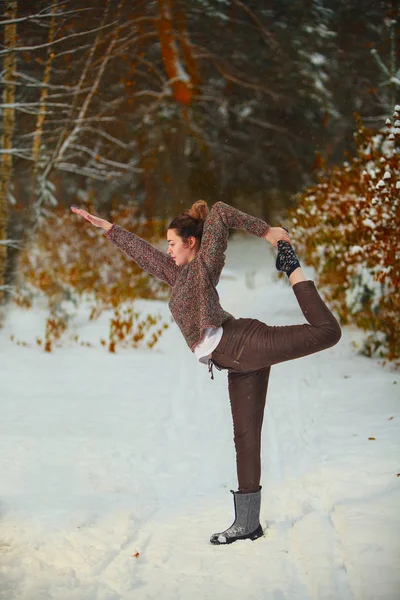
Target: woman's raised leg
column 268, row 345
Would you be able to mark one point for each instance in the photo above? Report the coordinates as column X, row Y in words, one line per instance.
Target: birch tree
column 6, row 141
column 44, row 93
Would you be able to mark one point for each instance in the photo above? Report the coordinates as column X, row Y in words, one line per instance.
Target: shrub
column 347, row 226
column 67, row 260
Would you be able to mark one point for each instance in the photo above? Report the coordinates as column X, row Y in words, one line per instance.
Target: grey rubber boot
column 246, row 525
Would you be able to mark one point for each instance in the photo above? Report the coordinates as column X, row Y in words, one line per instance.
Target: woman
column 246, row 348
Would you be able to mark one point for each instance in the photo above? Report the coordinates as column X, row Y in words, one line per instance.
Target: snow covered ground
column 116, row 469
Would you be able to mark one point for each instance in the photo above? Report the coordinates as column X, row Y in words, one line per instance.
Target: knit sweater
column 194, row 301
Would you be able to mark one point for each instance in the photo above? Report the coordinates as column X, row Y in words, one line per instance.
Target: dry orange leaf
column 371, row 438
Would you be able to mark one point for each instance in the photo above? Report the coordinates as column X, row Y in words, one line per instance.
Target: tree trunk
column 43, row 96
column 181, row 83
column 187, row 50
column 6, row 140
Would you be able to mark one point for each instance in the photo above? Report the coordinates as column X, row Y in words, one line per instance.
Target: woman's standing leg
column 247, row 393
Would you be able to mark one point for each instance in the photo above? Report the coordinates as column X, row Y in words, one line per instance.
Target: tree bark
column 181, row 83
column 187, row 50
column 6, row 140
column 43, row 96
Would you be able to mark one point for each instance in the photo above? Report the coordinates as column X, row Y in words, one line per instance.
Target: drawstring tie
column 212, row 364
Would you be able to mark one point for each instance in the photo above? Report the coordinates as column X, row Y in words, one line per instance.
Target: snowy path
column 106, row 456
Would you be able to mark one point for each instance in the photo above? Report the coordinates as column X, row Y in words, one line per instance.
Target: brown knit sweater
column 194, row 301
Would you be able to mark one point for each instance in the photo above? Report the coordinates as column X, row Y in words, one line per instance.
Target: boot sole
column 250, row 536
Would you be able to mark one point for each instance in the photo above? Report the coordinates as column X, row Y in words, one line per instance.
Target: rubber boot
column 246, row 525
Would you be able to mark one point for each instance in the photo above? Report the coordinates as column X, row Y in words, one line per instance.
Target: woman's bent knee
column 333, row 333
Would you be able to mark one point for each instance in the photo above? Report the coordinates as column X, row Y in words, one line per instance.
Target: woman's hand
column 96, row 221
column 274, row 234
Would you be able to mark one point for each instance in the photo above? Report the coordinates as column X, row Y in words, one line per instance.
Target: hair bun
column 199, row 210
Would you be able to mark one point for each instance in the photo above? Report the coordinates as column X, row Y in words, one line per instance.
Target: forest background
column 135, row 110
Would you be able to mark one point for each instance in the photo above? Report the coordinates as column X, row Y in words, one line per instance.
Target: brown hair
column 190, row 222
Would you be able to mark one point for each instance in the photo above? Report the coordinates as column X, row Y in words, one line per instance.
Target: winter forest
column 117, row 448
column 135, row 110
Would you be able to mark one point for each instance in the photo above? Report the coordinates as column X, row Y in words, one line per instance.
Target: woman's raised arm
column 96, row 221
column 150, row 259
column 220, row 219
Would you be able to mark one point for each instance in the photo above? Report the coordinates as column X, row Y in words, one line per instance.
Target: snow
column 369, row 223
column 179, row 69
column 318, row 59
column 116, row 469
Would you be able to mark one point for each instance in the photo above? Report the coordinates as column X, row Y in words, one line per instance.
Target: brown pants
column 248, row 349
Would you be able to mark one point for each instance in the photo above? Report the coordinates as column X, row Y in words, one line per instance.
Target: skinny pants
column 248, row 348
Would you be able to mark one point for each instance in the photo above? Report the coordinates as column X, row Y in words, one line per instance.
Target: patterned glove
column 287, row 260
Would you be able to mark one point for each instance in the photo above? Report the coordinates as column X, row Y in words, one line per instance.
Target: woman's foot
column 287, row 260
column 246, row 525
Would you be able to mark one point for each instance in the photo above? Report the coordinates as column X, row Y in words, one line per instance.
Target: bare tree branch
column 269, row 39
column 67, row 37
column 108, row 137
column 79, row 170
column 102, row 160
column 223, row 69
column 45, row 16
column 265, row 125
column 11, row 244
column 17, row 105
column 39, row 84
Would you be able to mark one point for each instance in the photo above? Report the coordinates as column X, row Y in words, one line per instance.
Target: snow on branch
column 108, row 137
column 73, row 50
column 39, row 15
column 13, row 150
column 67, row 37
column 104, row 161
column 7, row 288
column 87, row 171
column 95, row 119
column 380, row 62
column 35, row 83
column 38, row 84
column 17, row 105
column 11, row 244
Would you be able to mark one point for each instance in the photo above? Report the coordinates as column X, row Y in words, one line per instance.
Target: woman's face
column 181, row 252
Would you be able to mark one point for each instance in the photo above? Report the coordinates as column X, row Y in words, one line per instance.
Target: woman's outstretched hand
column 274, row 234
column 96, row 221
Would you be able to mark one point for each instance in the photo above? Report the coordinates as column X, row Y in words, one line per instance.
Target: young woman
column 246, row 348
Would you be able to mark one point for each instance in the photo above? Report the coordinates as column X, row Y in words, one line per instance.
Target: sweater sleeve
column 220, row 219
column 150, row 259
